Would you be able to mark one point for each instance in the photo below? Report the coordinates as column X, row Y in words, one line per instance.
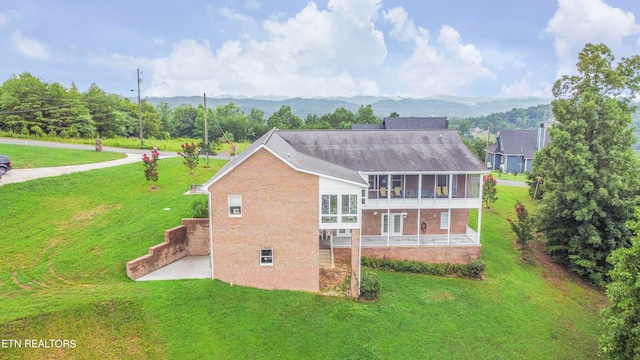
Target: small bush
column 200, row 208
column 369, row 286
column 474, row 269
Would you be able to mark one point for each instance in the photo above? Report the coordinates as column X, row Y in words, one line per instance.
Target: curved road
column 20, row 175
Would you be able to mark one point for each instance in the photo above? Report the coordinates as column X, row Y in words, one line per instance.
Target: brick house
column 293, row 196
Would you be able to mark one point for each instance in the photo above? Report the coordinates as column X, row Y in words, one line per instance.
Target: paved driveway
column 20, row 175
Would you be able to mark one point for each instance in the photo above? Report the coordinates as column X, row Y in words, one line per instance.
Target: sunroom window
column 350, row 208
column 329, row 208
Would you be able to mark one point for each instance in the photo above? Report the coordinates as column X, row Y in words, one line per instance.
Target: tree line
column 29, row 106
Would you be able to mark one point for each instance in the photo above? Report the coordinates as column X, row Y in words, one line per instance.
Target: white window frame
column 352, row 212
column 444, row 220
column 330, row 213
column 266, row 259
column 390, row 224
column 235, row 206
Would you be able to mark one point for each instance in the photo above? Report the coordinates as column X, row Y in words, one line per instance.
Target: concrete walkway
column 20, row 175
column 512, row 183
column 189, row 267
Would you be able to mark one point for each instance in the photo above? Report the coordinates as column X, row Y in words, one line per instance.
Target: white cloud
column 577, row 22
column 443, row 67
column 314, row 53
column 523, row 87
column 234, row 15
column 29, row 47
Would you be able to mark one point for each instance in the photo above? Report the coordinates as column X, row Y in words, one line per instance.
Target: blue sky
column 299, row 48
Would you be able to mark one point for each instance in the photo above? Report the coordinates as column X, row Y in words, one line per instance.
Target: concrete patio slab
column 189, row 267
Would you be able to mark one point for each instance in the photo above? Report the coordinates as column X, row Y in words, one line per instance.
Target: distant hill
column 449, row 106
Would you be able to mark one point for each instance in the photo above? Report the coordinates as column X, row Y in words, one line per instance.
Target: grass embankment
column 63, row 277
column 172, row 145
column 25, row 157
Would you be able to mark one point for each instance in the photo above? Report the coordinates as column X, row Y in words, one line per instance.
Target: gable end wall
column 279, row 212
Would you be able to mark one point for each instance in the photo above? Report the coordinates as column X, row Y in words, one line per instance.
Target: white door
column 396, row 224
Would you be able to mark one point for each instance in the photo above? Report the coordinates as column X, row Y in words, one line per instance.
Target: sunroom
column 423, row 189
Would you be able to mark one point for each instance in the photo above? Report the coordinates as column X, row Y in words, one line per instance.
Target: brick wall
column 430, row 254
column 191, row 238
column 173, row 248
column 197, row 236
column 279, row 212
column 372, row 221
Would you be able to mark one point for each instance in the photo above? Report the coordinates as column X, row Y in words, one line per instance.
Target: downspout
column 480, row 214
column 419, row 194
column 388, row 211
column 449, row 217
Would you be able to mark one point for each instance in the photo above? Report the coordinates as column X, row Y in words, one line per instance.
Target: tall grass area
column 67, row 240
column 123, row 142
column 23, row 157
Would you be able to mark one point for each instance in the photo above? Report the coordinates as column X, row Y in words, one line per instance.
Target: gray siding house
column 513, row 150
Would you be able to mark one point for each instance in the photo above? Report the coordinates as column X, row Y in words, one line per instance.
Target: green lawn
column 23, row 157
column 67, row 240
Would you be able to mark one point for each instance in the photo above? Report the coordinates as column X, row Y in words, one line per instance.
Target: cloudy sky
column 503, row 48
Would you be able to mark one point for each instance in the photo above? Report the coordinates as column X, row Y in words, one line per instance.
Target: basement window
column 266, row 257
column 235, row 206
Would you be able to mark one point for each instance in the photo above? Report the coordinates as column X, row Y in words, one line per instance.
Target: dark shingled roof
column 367, row 126
column 415, row 123
column 344, row 153
column 406, row 123
column 518, row 142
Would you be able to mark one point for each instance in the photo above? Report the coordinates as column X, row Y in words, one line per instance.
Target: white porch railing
column 470, row 238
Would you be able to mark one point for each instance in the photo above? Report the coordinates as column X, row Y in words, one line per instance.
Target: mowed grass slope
column 23, row 157
column 63, row 277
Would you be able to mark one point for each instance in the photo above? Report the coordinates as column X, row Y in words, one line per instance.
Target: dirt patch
column 80, row 219
column 14, row 277
column 556, row 273
column 333, row 281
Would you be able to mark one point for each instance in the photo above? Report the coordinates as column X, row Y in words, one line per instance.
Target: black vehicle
column 5, row 164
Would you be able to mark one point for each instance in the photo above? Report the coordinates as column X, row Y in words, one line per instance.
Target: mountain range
column 452, row 107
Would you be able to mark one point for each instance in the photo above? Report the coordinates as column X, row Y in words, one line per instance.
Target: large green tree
column 622, row 316
column 284, row 118
column 589, row 169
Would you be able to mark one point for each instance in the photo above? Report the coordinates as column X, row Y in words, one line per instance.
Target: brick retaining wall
column 190, row 238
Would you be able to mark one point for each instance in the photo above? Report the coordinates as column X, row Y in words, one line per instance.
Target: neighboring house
column 292, row 196
column 406, row 123
column 513, row 150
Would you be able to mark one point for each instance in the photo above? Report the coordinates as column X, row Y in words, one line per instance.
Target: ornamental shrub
column 200, row 208
column 474, row 269
column 523, row 228
column 151, row 167
column 489, row 191
column 369, row 286
column 191, row 155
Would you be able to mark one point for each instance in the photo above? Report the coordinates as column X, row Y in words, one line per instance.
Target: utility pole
column 139, row 111
column 486, row 159
column 206, row 131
